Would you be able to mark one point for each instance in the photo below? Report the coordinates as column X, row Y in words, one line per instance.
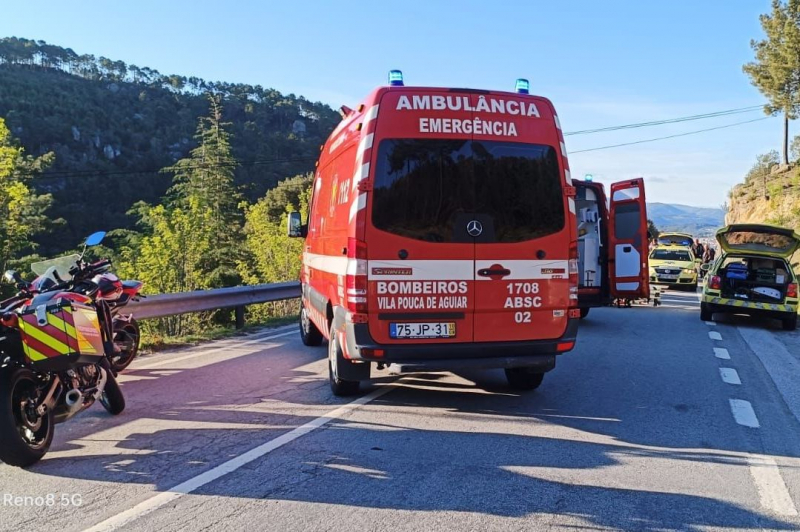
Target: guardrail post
column 240, row 317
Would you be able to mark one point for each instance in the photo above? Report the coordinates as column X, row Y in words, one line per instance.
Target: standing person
column 699, row 249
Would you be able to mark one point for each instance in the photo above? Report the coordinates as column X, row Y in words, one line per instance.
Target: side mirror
column 296, row 229
column 95, row 238
column 12, row 277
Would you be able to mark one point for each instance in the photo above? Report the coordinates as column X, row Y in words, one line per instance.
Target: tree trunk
column 786, row 137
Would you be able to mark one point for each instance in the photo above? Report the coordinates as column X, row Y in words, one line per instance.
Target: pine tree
column 776, row 70
column 205, row 180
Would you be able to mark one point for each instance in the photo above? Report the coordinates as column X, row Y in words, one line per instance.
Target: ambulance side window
column 312, row 219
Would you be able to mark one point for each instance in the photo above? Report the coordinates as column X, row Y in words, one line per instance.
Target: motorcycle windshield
column 60, row 266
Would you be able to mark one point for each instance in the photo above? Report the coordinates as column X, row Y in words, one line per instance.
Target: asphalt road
column 656, row 421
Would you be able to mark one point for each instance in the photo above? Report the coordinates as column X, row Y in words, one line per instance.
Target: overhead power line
column 65, row 174
column 668, row 121
column 671, row 136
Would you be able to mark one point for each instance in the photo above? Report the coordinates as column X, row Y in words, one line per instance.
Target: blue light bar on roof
column 395, row 78
column 523, row 86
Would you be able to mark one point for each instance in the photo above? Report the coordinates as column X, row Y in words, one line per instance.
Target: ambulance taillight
column 356, row 279
column 573, row 274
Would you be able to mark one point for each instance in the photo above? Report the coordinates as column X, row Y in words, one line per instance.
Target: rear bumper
column 533, row 353
column 737, row 306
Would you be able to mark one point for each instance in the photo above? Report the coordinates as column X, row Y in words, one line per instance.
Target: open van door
column 628, row 246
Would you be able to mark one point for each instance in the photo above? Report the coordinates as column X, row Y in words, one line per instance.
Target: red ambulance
column 612, row 243
column 441, row 236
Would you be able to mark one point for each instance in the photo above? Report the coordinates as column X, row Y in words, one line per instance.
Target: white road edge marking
column 172, row 360
column 743, row 413
column 710, row 323
column 729, row 375
column 770, row 485
column 721, row 352
column 153, row 503
column 714, row 335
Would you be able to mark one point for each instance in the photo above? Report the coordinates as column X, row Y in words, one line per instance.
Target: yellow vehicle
column 753, row 275
column 673, row 265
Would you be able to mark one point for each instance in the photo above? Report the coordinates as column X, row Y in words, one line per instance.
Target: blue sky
column 601, row 63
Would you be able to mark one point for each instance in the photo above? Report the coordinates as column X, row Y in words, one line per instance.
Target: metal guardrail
column 237, row 297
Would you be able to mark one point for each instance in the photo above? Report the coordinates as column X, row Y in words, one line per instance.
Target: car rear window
column 429, row 189
column 669, row 254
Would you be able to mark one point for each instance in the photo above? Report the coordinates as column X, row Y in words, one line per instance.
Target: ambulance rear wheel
column 705, row 313
column 339, row 387
column 309, row 333
column 584, row 312
column 524, row 378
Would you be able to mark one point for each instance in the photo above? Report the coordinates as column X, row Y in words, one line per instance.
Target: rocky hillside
column 772, row 197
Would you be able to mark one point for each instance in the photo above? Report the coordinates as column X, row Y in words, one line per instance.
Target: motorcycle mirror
column 11, row 277
column 95, row 238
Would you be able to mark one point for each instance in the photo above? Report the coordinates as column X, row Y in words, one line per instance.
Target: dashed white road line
column 157, row 501
column 743, row 413
column 721, row 352
column 714, row 335
column 770, row 485
column 729, row 375
column 710, row 323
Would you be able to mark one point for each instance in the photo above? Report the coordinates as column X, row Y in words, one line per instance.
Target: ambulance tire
column 523, row 378
column 705, row 313
column 584, row 312
column 309, row 334
column 790, row 324
column 339, row 386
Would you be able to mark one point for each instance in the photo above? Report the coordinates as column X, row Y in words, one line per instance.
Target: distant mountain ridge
column 698, row 221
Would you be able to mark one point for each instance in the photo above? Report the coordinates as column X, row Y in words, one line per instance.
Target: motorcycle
column 54, row 349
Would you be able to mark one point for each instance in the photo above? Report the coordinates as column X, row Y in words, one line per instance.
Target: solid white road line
column 729, row 375
column 193, row 484
column 770, row 485
column 714, row 335
column 171, row 360
column 744, row 414
column 721, row 352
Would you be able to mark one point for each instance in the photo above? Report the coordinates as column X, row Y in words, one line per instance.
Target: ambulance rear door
column 628, row 246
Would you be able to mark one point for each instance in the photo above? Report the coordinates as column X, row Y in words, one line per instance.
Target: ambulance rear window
column 427, row 188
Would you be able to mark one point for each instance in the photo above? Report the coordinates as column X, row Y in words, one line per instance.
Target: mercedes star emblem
column 474, row 228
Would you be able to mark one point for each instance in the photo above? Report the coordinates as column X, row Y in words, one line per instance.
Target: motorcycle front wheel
column 25, row 436
column 111, row 397
column 126, row 338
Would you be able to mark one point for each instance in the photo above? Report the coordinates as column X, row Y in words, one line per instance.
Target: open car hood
column 756, row 239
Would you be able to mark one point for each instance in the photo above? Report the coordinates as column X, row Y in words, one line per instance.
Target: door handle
column 487, row 272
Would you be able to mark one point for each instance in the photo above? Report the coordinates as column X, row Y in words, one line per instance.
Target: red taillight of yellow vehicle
column 715, row 283
column 791, row 290
column 356, row 279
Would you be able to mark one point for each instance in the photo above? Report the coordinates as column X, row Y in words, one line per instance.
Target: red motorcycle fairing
column 131, row 288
